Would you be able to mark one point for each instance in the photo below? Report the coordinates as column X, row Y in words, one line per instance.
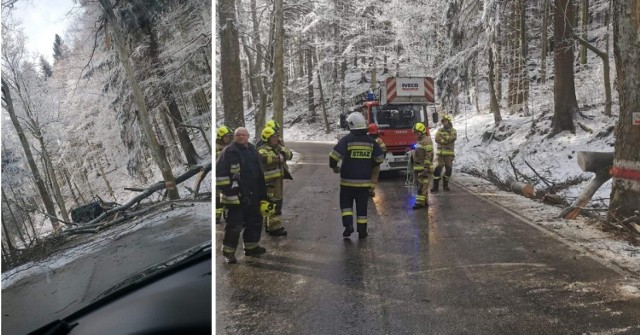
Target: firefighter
column 273, row 157
column 276, row 126
column 359, row 154
column 445, row 137
column 240, row 177
column 223, row 139
column 422, row 161
column 373, row 132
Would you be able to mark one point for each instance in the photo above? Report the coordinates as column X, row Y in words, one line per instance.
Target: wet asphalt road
column 35, row 301
column 464, row 267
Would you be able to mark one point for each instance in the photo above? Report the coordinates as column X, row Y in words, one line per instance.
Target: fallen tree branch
column 147, row 192
column 537, row 174
column 126, row 216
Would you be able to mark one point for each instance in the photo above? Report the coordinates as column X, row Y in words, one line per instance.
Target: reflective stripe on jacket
column 423, row 155
column 446, row 139
column 273, row 159
column 359, row 154
column 239, row 175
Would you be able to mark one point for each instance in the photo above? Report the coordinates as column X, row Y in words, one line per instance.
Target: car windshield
column 101, row 177
column 397, row 117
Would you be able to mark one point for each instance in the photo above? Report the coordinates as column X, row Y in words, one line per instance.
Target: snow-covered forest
column 126, row 103
column 530, row 83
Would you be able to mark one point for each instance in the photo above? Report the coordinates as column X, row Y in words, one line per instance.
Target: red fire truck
column 395, row 107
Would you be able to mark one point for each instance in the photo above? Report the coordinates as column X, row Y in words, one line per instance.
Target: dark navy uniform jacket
column 359, row 154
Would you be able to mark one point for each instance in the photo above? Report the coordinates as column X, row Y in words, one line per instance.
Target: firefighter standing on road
column 422, row 161
column 359, row 153
column 373, row 132
column 223, row 139
column 445, row 137
column 239, row 175
column 273, row 156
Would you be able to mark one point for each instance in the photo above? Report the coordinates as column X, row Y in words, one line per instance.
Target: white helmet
column 356, row 121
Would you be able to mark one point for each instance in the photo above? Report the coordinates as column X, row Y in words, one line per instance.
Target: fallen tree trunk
column 598, row 163
column 201, row 175
column 126, row 216
column 521, row 188
column 148, row 192
column 591, row 161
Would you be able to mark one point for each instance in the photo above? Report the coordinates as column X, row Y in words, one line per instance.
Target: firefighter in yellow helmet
column 445, row 137
column 375, row 173
column 275, row 126
column 273, row 156
column 224, row 135
column 422, row 162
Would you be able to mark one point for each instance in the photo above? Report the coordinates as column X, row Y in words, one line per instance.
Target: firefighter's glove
column 336, row 169
column 267, row 208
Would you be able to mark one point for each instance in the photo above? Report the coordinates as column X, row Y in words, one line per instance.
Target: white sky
column 41, row 20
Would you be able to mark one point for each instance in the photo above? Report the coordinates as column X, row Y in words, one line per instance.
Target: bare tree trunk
column 65, row 173
column 498, row 63
column 42, row 189
column 261, row 112
column 167, row 95
column 157, row 151
column 7, row 236
column 543, row 41
column 524, row 74
column 495, row 106
column 324, row 110
column 230, row 73
column 25, row 213
column 278, row 65
column 625, row 191
column 607, row 109
column 106, row 181
column 476, row 87
column 308, row 54
column 86, row 180
column 54, row 180
column 584, row 21
column 605, row 71
column 564, row 91
column 512, row 61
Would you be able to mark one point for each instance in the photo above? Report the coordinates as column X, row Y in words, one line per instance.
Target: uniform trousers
column 349, row 194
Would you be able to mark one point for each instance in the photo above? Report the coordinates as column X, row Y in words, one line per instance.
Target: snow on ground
column 98, row 241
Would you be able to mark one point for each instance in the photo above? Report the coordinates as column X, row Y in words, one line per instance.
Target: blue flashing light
column 371, row 96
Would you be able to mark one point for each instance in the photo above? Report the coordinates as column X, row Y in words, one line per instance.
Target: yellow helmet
column 447, row 117
column 267, row 208
column 223, row 131
column 267, row 132
column 420, row 128
column 273, row 124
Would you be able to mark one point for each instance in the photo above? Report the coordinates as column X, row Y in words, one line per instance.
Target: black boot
column 445, row 185
column 257, row 251
column 362, row 231
column 436, row 182
column 278, row 232
column 229, row 258
column 348, row 230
